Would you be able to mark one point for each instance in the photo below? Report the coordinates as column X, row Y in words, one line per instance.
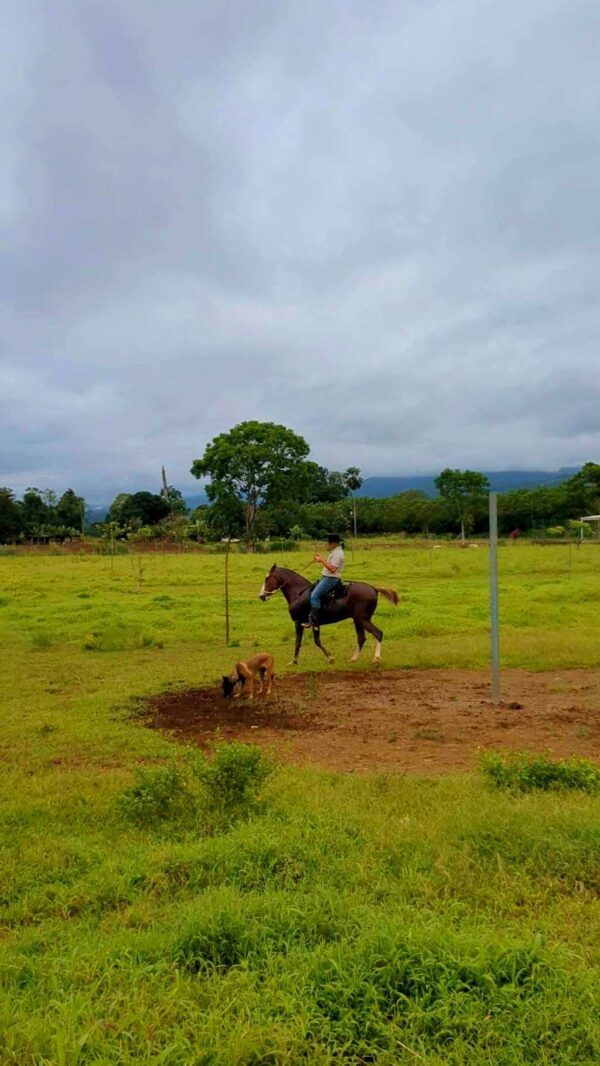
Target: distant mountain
column 500, row 481
column 192, row 502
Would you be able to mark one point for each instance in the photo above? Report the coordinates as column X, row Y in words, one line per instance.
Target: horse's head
column 270, row 585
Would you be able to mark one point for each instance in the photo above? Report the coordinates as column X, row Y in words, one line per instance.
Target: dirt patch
column 405, row 720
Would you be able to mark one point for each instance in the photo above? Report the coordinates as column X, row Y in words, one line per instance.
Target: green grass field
column 346, row 919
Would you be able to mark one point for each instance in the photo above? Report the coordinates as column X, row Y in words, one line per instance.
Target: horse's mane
column 292, row 573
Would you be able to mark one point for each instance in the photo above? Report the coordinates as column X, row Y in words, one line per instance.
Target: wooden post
column 495, row 649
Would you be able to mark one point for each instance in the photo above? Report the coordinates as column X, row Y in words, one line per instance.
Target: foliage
column 10, row 517
column 176, row 528
column 352, row 479
column 36, row 513
column 579, row 529
column 315, row 500
column 157, row 795
column 115, row 511
column 466, row 489
column 70, row 510
column 225, row 517
column 524, row 772
column 317, row 484
column 233, row 778
column 175, row 500
column 253, row 462
column 143, row 509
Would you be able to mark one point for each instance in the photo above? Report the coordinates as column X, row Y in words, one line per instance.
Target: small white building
column 590, row 518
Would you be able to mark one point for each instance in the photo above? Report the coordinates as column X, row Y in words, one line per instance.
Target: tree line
column 260, row 485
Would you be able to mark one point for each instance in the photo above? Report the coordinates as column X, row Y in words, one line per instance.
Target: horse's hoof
column 293, row 662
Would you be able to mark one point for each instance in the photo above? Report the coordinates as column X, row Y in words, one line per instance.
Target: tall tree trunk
column 250, row 522
column 462, row 530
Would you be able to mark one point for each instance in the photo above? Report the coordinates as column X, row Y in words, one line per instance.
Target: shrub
column 523, row 772
column 233, row 779
column 157, row 795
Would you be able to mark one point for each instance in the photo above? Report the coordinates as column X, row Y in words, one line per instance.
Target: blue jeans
column 325, row 585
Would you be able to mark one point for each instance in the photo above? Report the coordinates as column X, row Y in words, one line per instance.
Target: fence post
column 227, row 593
column 493, row 503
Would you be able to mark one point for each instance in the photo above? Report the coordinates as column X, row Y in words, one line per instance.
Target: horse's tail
column 390, row 594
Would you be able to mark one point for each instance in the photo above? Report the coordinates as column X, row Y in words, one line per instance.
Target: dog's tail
column 390, row 594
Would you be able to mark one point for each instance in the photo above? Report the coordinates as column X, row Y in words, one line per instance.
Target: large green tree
column 144, row 509
column 466, row 489
column 115, row 511
column 10, row 517
column 37, row 514
column 175, row 500
column 252, row 463
column 70, row 511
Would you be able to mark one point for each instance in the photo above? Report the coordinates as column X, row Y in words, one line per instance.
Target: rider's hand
column 318, row 558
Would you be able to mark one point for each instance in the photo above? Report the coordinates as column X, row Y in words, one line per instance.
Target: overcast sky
column 377, row 223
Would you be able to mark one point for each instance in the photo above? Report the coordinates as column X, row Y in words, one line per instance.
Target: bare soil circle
column 395, row 720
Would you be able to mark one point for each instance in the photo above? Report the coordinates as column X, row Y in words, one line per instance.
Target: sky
column 374, row 222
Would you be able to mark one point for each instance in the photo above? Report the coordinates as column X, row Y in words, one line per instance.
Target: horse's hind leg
column 360, row 640
column 371, row 628
column 317, row 640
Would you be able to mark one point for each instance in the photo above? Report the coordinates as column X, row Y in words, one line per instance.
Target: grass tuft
column 524, row 772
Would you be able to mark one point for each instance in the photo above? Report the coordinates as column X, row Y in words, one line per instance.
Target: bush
column 157, row 795
column 233, row 779
column 283, row 546
column 523, row 772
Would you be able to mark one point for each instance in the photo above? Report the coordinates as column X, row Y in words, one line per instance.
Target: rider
column 332, row 568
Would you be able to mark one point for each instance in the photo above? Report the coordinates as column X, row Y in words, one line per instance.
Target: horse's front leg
column 299, row 636
column 317, row 639
column 360, row 640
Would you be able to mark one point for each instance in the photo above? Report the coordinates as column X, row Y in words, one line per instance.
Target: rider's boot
column 313, row 620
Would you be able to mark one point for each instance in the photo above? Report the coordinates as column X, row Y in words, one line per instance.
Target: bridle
column 271, row 592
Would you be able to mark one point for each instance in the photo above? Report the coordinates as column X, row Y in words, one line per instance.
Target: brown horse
column 358, row 603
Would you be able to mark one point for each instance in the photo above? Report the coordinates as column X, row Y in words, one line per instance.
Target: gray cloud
column 374, row 223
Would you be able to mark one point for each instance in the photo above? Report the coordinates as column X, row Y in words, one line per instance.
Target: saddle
column 336, row 593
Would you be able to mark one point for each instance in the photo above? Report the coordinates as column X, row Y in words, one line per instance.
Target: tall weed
column 158, row 795
column 233, row 779
column 524, row 772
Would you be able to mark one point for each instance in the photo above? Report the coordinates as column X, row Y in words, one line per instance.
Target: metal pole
column 494, row 597
column 227, row 593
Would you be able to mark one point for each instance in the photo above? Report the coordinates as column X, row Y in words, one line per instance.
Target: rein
column 289, row 581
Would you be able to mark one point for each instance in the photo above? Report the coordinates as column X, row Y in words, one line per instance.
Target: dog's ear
column 224, row 677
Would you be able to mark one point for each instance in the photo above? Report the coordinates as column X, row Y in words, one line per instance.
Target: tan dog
column 263, row 664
